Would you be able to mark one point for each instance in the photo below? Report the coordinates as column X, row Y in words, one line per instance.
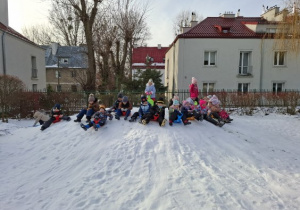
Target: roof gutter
column 3, row 53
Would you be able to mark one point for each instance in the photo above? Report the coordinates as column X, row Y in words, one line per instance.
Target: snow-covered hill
column 252, row 163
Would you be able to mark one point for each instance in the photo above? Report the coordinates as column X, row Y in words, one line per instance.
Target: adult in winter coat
column 93, row 106
column 144, row 111
column 56, row 116
column 99, row 119
column 193, row 88
column 150, row 89
column 40, row 117
column 124, row 106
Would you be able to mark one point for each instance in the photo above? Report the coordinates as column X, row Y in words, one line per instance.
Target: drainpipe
column 261, row 64
column 3, row 54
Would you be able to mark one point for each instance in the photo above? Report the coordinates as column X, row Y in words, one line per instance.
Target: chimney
column 193, row 21
column 54, row 47
column 4, row 12
column 159, row 46
column 238, row 13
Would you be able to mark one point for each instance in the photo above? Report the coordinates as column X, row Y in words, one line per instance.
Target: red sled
column 57, row 119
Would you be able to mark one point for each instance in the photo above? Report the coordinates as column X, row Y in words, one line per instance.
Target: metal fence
column 72, row 102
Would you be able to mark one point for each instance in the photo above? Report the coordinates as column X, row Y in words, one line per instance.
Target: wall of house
column 66, row 80
column 189, row 62
column 18, row 54
column 225, row 73
column 4, row 12
column 289, row 74
column 171, row 68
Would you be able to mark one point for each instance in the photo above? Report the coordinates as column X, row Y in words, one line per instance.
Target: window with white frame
column 64, row 60
column 34, row 87
column 58, row 88
column 279, row 58
column 210, row 58
column 244, row 63
column 277, row 87
column 208, row 87
column 243, row 87
column 33, row 67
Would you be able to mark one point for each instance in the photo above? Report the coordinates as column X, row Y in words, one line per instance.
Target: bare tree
column 40, row 34
column 287, row 35
column 66, row 24
column 86, row 11
column 129, row 18
column 183, row 19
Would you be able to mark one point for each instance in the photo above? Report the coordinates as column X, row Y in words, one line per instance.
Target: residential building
column 65, row 67
column 149, row 57
column 19, row 56
column 232, row 52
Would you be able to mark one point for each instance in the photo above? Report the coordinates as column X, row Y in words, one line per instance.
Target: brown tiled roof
column 211, row 27
column 11, row 31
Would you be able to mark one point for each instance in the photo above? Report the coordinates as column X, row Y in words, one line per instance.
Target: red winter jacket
column 193, row 90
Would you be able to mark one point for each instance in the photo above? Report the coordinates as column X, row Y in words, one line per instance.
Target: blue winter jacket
column 144, row 109
column 150, row 88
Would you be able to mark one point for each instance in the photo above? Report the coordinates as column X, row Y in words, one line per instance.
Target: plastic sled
column 190, row 118
column 178, row 120
column 155, row 118
column 57, row 119
column 124, row 113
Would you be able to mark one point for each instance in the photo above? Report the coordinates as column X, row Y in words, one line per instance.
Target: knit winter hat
column 175, row 98
column 124, row 99
column 150, row 80
column 102, row 106
column 143, row 98
column 56, row 106
column 120, row 95
column 91, row 98
column 160, row 100
column 190, row 100
column 214, row 100
column 194, row 80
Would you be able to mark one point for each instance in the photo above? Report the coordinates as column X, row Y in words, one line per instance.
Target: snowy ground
column 252, row 163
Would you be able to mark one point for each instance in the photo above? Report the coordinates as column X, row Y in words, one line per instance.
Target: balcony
column 245, row 71
column 34, row 74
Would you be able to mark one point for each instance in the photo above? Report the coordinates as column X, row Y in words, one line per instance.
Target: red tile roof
column 11, row 31
column 139, row 54
column 211, row 27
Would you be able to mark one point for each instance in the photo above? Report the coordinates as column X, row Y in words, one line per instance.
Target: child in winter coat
column 174, row 111
column 150, row 89
column 204, row 109
column 115, row 107
column 40, row 117
column 99, row 119
column 214, row 110
column 193, row 88
column 188, row 109
column 56, row 116
column 93, row 106
column 157, row 112
column 144, row 111
column 124, row 106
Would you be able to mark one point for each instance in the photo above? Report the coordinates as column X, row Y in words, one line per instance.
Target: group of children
column 207, row 108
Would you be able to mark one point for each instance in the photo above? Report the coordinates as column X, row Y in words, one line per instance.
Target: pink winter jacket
column 193, row 90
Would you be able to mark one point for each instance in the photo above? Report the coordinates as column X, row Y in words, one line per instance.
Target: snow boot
column 144, row 122
column 186, row 122
column 170, row 122
column 163, row 123
column 95, row 127
column 125, row 118
column 132, row 120
column 77, row 120
column 117, row 117
column 83, row 126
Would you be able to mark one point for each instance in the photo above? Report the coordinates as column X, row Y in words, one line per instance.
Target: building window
column 33, row 67
column 277, row 87
column 34, row 87
column 243, row 87
column 57, row 74
column 74, row 88
column 210, row 58
column 64, row 61
column 208, row 87
column 279, row 58
column 58, row 88
column 73, row 73
column 244, row 63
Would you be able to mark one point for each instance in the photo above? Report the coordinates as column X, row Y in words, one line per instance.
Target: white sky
column 160, row 17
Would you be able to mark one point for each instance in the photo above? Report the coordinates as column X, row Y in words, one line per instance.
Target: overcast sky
column 160, row 18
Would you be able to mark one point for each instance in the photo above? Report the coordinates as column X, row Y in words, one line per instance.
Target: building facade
column 232, row 52
column 149, row 57
column 19, row 56
column 65, row 67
